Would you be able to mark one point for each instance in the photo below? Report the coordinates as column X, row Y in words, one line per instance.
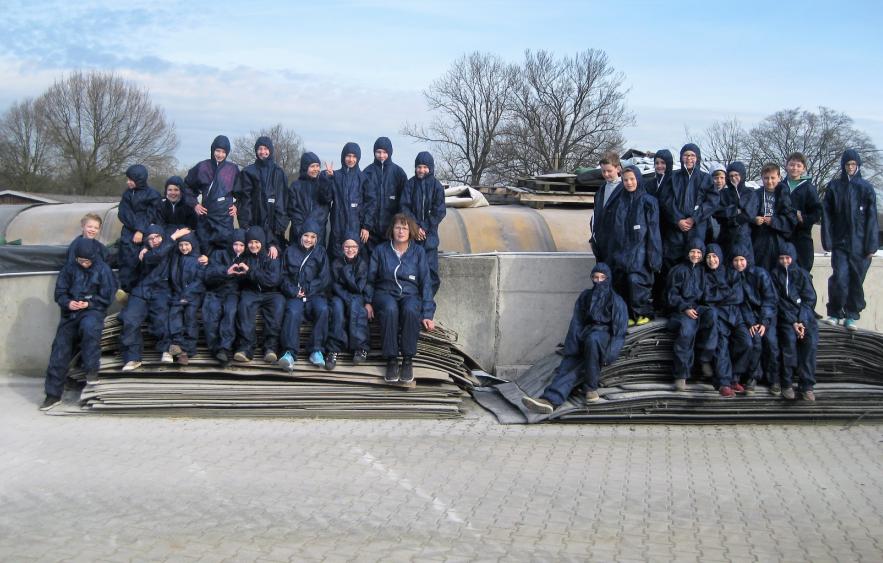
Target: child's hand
column 141, row 254
column 329, row 169
column 203, row 260
column 421, row 234
column 180, row 233
column 370, row 310
column 137, row 237
column 429, row 324
column 200, row 209
column 232, row 211
column 273, row 252
column 364, row 234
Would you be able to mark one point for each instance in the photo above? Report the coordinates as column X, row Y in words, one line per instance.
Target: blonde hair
column 91, row 217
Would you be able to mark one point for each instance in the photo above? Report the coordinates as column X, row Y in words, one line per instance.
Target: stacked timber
column 638, row 387
column 204, row 387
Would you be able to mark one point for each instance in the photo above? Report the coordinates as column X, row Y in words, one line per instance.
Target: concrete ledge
column 510, row 309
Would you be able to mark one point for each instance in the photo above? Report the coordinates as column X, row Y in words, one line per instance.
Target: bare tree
column 821, row 136
column 471, row 101
column 723, row 142
column 25, row 154
column 567, row 112
column 101, row 124
column 287, row 148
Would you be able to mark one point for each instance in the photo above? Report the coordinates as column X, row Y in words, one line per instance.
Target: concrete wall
column 509, row 309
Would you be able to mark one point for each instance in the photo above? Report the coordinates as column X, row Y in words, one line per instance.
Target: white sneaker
column 166, row 358
column 133, row 365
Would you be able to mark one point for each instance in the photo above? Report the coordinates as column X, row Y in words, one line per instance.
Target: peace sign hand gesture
column 329, row 169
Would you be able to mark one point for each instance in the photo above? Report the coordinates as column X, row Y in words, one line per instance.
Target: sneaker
column 270, row 357
column 241, row 357
column 331, row 361
column 631, row 322
column 775, row 389
column 750, row 386
column 49, row 402
column 121, row 296
column 317, row 359
column 707, row 370
column 808, row 396
column 359, row 357
column 286, row 361
column 833, row 321
column 183, row 358
column 222, row 357
column 788, row 393
column 850, row 325
column 392, row 371
column 680, row 384
column 92, row 377
column 738, row 389
column 642, row 321
column 592, row 396
column 727, row 392
column 539, row 406
column 174, row 349
column 133, row 365
column 407, row 373
column 167, row 358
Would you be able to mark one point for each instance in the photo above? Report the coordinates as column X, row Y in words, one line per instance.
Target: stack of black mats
column 638, row 387
column 203, row 387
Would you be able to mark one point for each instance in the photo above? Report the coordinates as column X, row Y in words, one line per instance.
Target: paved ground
column 102, row 488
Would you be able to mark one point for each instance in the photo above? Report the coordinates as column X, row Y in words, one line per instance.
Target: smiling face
column 629, row 182
column 173, row 193
column 421, row 171
column 381, row 155
column 184, row 247
column 599, row 277
column 770, row 181
column 785, row 260
column 238, row 247
column 254, row 246
column 308, row 240
column 695, row 255
column 263, row 152
column 220, row 155
column 719, row 180
column 688, row 160
column 739, row 263
column 130, row 183
column 735, row 177
column 313, row 170
column 350, row 160
column 659, row 166
column 154, row 240
column 712, row 260
column 91, row 228
column 851, row 167
column 350, row 249
column 795, row 169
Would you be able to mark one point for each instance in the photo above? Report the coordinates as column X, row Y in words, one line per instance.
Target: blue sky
column 337, row 71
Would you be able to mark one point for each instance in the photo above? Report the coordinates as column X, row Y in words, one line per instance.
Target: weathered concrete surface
column 510, row 308
column 59, row 224
column 108, row 488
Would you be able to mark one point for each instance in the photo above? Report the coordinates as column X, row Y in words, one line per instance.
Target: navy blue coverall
column 187, row 284
column 221, row 297
column 95, row 285
column 736, row 212
column 594, row 339
column 759, row 357
column 805, row 199
column 635, row 246
column 423, row 199
column 766, row 240
column 306, row 278
column 684, row 291
column 349, row 319
column 137, row 210
column 385, row 182
column 850, row 233
column 348, row 202
column 265, row 197
column 149, row 299
column 797, row 303
column 259, row 292
column 219, row 186
column 310, row 200
column 400, row 290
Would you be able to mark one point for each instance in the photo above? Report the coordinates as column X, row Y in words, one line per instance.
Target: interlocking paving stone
column 211, row 490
